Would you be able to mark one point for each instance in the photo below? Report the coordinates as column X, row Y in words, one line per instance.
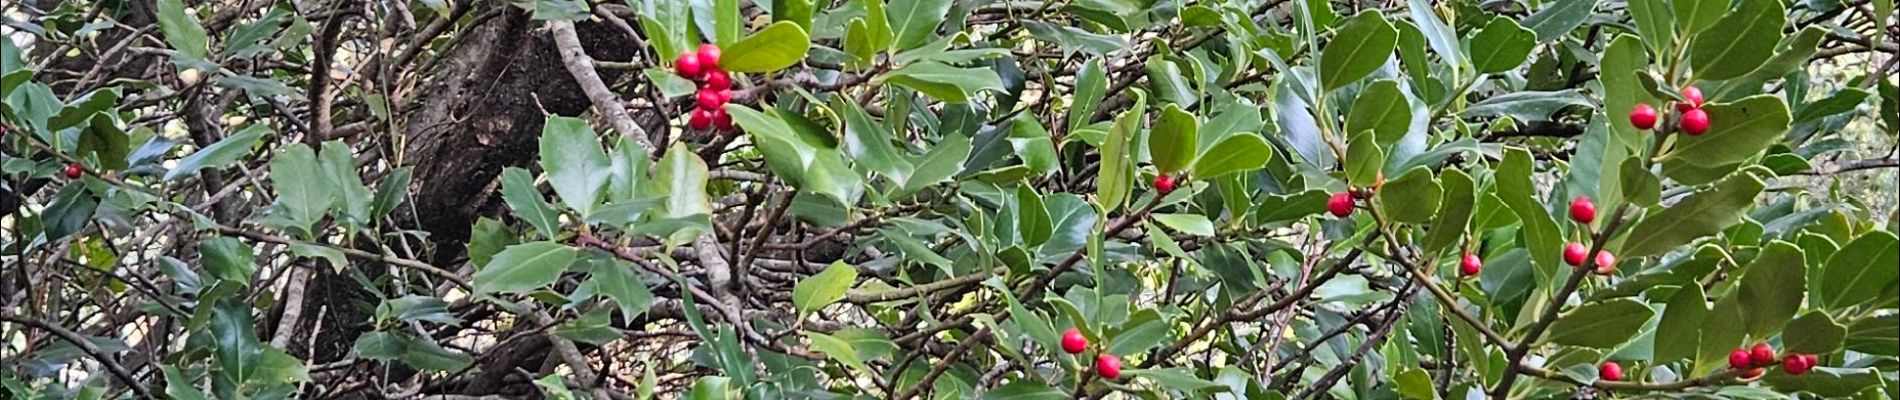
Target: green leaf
column 1793, row 55
column 1172, row 140
column 339, row 170
column 1600, row 325
column 1640, row 187
column 391, row 193
column 235, row 344
column 945, row 160
column 227, row 259
column 1364, row 159
column 1440, row 36
column 1772, row 287
column 877, row 24
column 1174, row 379
column 1527, row 105
column 1032, row 218
column 836, row 349
column 1168, row 83
column 913, row 21
column 413, row 308
column 1692, row 16
column 1540, row 231
column 869, row 144
column 1241, row 152
column 944, row 82
column 1412, row 198
column 430, row 356
column 1860, row 270
column 219, row 154
column 576, row 167
column 594, row 327
column 1653, row 22
column 1847, row 99
column 1558, row 19
column 1381, row 109
column 1091, row 85
column 1454, row 212
column 1680, row 330
column 816, row 292
column 524, row 267
column 1361, row 46
column 620, row 282
column 177, row 388
column 302, row 190
column 779, row 45
column 1503, row 45
column 1113, row 181
column 681, row 177
column 1875, row 335
column 1738, row 42
column 1414, row 383
column 1701, row 214
column 487, row 238
column 1072, row 39
column 517, row 188
column 1024, row 389
column 726, row 23
column 1813, row 333
column 1193, row 224
column 182, row 29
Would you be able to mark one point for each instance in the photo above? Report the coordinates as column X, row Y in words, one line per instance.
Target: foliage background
column 497, row 199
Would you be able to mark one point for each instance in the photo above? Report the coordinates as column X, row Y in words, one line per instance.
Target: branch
column 581, row 66
column 84, row 346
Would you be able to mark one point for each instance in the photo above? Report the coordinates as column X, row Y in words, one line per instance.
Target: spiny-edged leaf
column 1412, row 197
column 427, row 355
column 1169, row 83
column 1600, row 325
column 944, row 82
column 391, row 193
column 779, row 45
column 1364, row 159
column 1171, row 143
column 1458, row 199
column 1860, row 270
column 1503, row 45
column 1240, row 152
column 1439, row 35
column 339, row 170
column 1113, row 180
column 1772, row 287
column 1793, row 55
column 1739, row 42
column 820, row 290
column 1381, row 109
column 1144, row 335
column 301, row 187
column 178, row 388
column 1701, row 214
column 524, row 267
column 945, row 160
column 517, row 189
column 572, row 158
column 681, row 177
column 1361, row 46
column 227, row 259
column 1680, row 330
column 1813, row 333
column 620, row 282
column 487, row 238
column 869, row 143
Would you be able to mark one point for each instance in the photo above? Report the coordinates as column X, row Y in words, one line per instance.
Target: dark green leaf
column 1813, row 333
column 1739, row 42
column 1678, row 334
column 1503, row 45
column 1171, row 143
column 776, row 47
column 1600, row 325
column 1860, row 270
column 1381, row 109
column 1702, row 214
column 1361, row 46
column 1411, row 198
column 1771, row 288
column 1561, row 17
column 524, row 267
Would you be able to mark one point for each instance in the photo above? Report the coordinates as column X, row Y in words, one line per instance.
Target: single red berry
column 1762, row 354
column 700, row 119
column 1812, row 360
column 1164, row 183
column 1695, row 122
column 1795, row 364
column 1573, row 254
column 709, row 56
column 1109, row 366
column 718, row 80
column 688, row 66
column 709, row 99
column 725, row 96
column 1610, row 371
column 1582, row 210
column 1073, row 342
column 1643, row 116
column 1751, row 373
column 1692, row 97
column 73, row 171
column 1340, row 205
column 1738, row 359
column 1471, row 265
column 1606, row 263
column 722, row 120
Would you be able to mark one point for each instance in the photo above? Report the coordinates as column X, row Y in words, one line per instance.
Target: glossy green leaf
column 1702, row 214
column 1692, row 16
column 524, row 267
column 1171, row 143
column 1193, row 224
column 1361, row 46
column 1454, row 214
column 1600, row 325
column 1381, row 109
column 912, row 22
column 301, row 188
column 619, row 281
column 1860, row 270
column 944, row 82
column 1557, row 19
column 1412, row 197
column 228, row 259
column 1527, row 105
column 1091, row 86
column 1739, row 42
column 1503, row 45
column 1240, row 152
column 820, row 290
column 1113, row 181
column 576, row 167
column 1654, row 22
column 217, row 155
column 1032, row 218
column 1364, row 160
column 1539, row 230
column 776, row 47
column 517, row 188
column 1180, row 379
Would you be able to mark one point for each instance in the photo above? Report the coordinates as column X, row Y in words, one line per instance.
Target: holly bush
column 949, row 199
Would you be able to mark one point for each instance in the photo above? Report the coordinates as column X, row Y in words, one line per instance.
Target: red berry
column 722, row 120
column 1109, row 366
column 1762, row 354
column 1751, row 373
column 1695, row 122
column 725, row 96
column 709, row 99
column 1471, row 265
column 709, row 56
column 1573, row 254
column 1340, row 205
column 700, row 119
column 1643, row 116
column 718, row 80
column 1164, row 183
column 1606, row 263
column 688, row 66
column 73, row 171
column 1738, row 359
column 1073, row 342
column 1811, row 359
column 1610, row 371
column 1795, row 364
column 1582, row 210
column 1692, row 97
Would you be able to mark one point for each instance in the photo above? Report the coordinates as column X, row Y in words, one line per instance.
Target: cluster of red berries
column 1691, row 119
column 1342, row 203
column 715, row 87
column 1584, row 212
column 1107, row 365
column 1751, row 360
